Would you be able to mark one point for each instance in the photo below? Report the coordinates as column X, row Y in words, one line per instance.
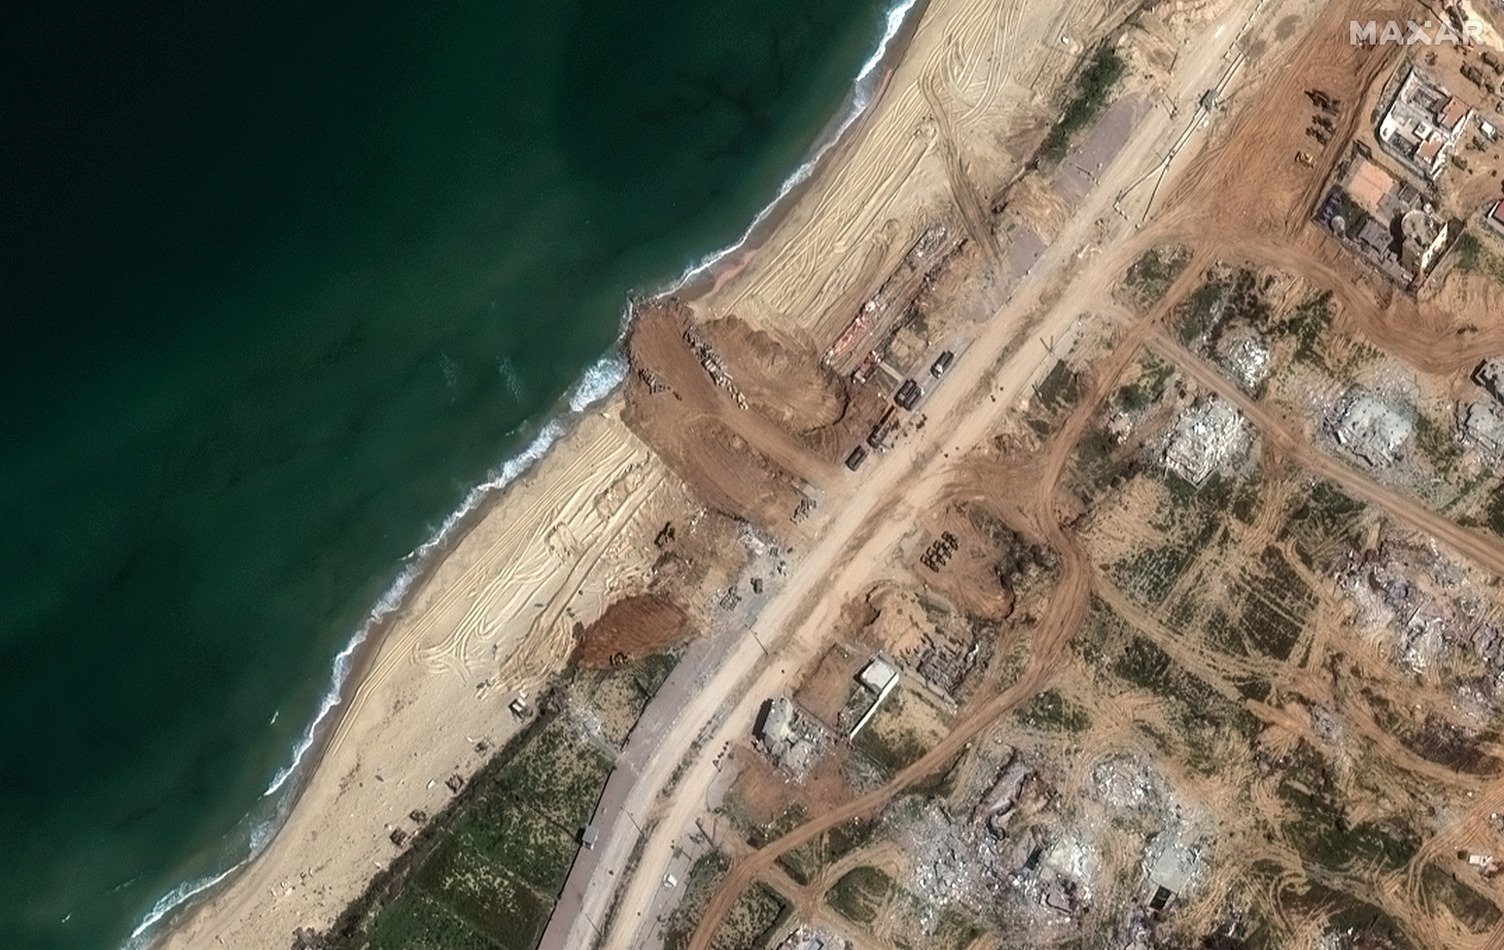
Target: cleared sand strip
column 496, row 616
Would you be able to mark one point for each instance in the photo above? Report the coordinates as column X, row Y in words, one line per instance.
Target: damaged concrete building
column 791, row 740
column 1209, row 436
column 1370, row 427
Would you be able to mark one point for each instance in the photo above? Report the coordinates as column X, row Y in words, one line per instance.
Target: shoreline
column 600, row 385
column 711, row 272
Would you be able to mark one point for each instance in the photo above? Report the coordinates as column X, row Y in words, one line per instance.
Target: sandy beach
column 491, row 621
column 496, row 617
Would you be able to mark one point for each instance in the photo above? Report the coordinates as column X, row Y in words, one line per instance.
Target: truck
column 878, row 437
column 856, row 458
column 942, row 363
column 908, row 394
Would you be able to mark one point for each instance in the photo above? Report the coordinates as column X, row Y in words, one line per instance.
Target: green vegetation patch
column 860, row 894
column 487, row 870
column 1094, row 86
column 1308, row 323
column 417, row 921
column 802, row 863
column 1202, row 713
column 1225, row 298
column 1436, row 441
column 1153, row 273
column 1494, row 511
column 750, row 923
column 1435, row 738
column 886, row 742
column 1324, row 527
column 699, row 884
column 1149, row 574
column 1319, row 832
column 516, row 837
column 848, row 836
column 1275, row 608
column 485, row 894
column 560, row 773
column 1474, row 257
column 1362, row 924
column 1060, row 388
column 1052, row 712
column 1473, row 910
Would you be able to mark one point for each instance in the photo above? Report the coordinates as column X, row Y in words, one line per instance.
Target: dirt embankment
column 685, row 401
column 631, row 628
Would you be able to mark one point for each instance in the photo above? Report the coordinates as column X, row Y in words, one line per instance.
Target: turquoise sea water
column 281, row 286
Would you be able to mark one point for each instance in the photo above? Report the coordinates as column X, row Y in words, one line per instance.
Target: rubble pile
column 1208, row 437
column 1417, row 599
column 1374, row 429
column 1246, row 356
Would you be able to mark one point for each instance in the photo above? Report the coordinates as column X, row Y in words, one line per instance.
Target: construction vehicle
column 1303, row 159
column 942, row 363
column 908, row 394
column 856, row 458
column 878, row 437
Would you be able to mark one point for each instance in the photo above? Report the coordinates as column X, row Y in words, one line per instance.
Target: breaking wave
column 861, row 98
column 595, row 384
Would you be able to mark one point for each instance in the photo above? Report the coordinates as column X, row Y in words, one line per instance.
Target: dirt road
column 1487, row 551
column 866, row 528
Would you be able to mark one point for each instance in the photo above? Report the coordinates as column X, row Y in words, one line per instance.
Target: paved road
column 871, row 521
column 572, row 922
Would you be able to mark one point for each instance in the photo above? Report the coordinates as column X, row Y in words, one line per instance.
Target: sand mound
column 630, row 628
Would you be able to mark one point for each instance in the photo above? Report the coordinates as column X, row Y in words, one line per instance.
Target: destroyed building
column 1490, row 375
column 1371, row 428
column 1209, row 436
column 1482, row 424
column 791, row 740
column 1423, row 235
column 1174, row 866
column 1246, row 356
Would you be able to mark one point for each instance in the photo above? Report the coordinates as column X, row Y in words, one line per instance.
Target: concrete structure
column 1482, row 424
column 1490, row 375
column 1495, row 217
column 791, row 740
column 1208, row 436
column 1370, row 428
column 877, row 674
column 1422, row 236
column 880, row 677
column 1175, row 868
column 1375, row 214
column 1423, row 124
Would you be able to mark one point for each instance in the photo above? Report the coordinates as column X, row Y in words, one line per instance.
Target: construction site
column 1114, row 525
